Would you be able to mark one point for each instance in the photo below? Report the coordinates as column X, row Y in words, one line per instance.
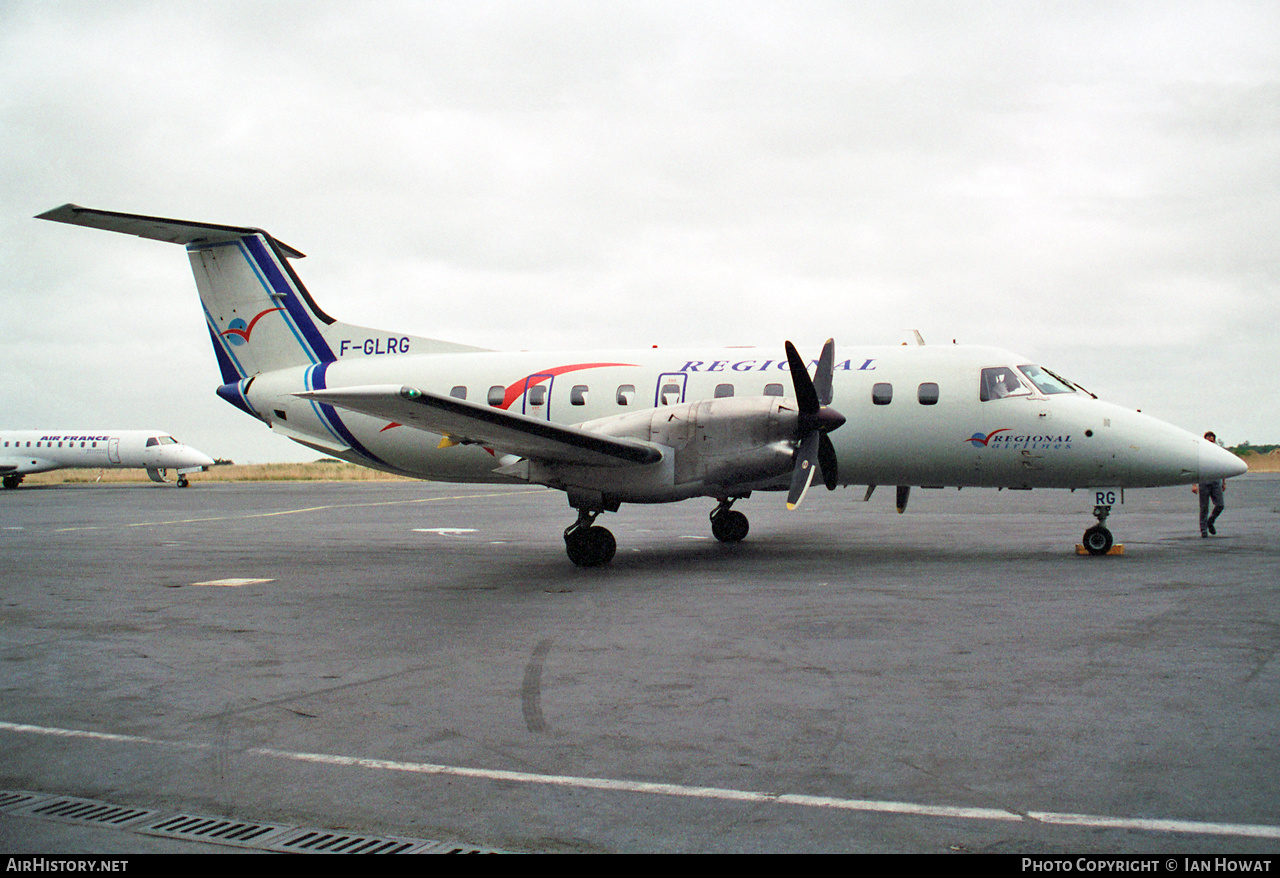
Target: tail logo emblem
column 238, row 332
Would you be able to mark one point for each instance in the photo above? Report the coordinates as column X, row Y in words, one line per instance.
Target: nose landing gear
column 1097, row 540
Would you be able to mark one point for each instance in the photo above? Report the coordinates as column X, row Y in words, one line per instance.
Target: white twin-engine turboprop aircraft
column 654, row 426
column 39, row 451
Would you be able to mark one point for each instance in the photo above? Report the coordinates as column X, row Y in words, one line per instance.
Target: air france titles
column 374, row 346
column 74, row 438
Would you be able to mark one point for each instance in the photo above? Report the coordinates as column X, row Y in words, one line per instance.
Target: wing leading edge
column 469, row 422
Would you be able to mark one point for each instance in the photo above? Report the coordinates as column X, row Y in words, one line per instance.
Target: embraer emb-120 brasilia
column 655, row 426
column 40, row 451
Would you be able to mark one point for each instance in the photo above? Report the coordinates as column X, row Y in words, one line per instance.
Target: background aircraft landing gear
column 1097, row 539
column 588, row 545
column 728, row 526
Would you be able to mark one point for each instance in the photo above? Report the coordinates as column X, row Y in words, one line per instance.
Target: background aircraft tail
column 260, row 316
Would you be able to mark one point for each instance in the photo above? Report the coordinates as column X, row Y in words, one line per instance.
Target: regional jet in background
column 653, row 425
column 39, row 451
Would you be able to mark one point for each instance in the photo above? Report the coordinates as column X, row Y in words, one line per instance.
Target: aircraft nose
column 1218, row 463
column 192, row 457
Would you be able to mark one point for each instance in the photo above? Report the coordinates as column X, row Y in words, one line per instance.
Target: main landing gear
column 728, row 526
column 1097, row 539
column 587, row 544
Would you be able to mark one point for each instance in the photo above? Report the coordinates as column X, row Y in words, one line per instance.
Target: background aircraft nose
column 1218, row 463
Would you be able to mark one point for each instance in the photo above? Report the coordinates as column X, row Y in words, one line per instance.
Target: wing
column 469, row 422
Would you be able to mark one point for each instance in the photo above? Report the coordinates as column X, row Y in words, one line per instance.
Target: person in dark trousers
column 1209, row 492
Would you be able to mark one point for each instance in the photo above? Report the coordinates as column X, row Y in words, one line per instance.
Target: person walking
column 1210, row 492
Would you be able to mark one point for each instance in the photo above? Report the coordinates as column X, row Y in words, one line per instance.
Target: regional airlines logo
column 1005, row 438
column 980, row 441
column 238, row 332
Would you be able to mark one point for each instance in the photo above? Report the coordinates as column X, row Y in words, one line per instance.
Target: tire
column 592, row 547
column 730, row 526
column 1097, row 540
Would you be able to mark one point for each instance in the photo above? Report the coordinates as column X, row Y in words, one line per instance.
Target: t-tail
column 260, row 316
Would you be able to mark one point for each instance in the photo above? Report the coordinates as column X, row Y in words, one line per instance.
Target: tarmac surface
column 421, row 660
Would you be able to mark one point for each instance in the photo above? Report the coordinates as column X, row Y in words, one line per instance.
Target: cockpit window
column 999, row 382
column 1045, row 381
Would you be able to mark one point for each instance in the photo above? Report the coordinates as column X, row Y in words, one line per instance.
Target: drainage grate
column 15, row 798
column 84, row 811
column 220, row 830
column 318, row 841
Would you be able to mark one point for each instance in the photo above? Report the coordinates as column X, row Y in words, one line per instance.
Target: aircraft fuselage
column 896, row 433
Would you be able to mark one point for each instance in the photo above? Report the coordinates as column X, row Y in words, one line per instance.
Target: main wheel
column 730, row 526
column 1097, row 540
column 12, row 481
column 591, row 547
column 182, row 481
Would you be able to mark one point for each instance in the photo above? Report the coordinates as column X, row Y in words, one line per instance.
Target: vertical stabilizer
column 260, row 316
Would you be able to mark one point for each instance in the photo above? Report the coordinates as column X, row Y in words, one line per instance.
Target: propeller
column 815, row 421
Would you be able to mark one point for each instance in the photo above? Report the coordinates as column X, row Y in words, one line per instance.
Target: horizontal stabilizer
column 157, row 228
column 472, row 423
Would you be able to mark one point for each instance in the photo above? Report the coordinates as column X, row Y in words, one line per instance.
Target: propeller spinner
column 815, row 421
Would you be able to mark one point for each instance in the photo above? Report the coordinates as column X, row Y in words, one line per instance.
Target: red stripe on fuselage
column 513, row 392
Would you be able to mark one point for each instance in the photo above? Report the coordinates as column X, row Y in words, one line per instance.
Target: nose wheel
column 1097, row 540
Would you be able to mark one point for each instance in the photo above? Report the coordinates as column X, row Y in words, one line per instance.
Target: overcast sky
column 1094, row 185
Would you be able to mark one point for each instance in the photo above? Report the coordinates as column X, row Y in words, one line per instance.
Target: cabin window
column 459, row 392
column 882, row 393
column 723, row 391
column 497, row 395
column 626, row 392
column 1000, row 382
column 537, row 395
column 928, row 393
column 773, row 390
column 578, row 395
column 670, row 394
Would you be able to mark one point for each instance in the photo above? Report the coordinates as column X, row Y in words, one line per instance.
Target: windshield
column 1000, row 382
column 1045, row 381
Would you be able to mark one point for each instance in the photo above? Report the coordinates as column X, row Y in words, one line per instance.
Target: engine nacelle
column 716, row 445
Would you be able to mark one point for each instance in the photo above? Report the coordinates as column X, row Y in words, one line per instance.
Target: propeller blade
column 806, row 395
column 904, row 491
column 826, row 367
column 827, row 461
column 802, row 475
column 814, row 420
